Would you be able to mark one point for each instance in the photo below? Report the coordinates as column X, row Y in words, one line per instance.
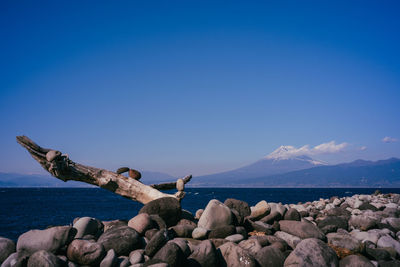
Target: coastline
column 343, row 230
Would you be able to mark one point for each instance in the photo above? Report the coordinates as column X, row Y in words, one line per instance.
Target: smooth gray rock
column 236, row 238
column 394, row 222
column 312, row 252
column 108, row 225
column 240, row 206
column 291, row 240
column 43, row 258
column 11, row 260
column 333, row 222
column 85, row 252
column 261, row 209
column 293, row 215
column 141, row 223
column 270, row 256
column 171, row 254
column 344, row 241
column 387, row 241
column 122, row 239
column 222, row 231
column 123, row 261
column 7, row 247
column 183, row 245
column 278, row 207
column 136, row 256
column 199, row 233
column 183, row 230
column 272, row 217
column 51, row 239
column 168, row 208
column 301, row 229
column 235, row 256
column 216, row 214
column 110, row 260
column 362, row 222
column 377, row 253
column 88, row 226
column 355, row 261
column 156, row 242
column 204, row 254
column 251, row 245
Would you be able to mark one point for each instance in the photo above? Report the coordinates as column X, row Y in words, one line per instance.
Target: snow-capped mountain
column 279, row 161
column 290, row 152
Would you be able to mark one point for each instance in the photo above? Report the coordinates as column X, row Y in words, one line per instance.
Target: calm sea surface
column 22, row 209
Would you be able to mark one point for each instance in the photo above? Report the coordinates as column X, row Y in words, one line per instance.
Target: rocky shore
column 362, row 230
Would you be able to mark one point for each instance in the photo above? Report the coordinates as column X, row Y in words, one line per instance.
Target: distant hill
column 39, row 180
column 274, row 163
column 35, row 180
column 359, row 173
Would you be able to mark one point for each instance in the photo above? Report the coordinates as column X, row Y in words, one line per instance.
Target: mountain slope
column 275, row 163
column 385, row 173
column 44, row 180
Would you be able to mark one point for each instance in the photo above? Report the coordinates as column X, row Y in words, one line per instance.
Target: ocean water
column 23, row 209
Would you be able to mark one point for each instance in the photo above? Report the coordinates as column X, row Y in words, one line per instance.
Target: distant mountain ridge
column 359, row 173
column 275, row 163
column 44, row 180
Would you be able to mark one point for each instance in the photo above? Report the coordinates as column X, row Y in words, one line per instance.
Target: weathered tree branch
column 60, row 166
column 172, row 185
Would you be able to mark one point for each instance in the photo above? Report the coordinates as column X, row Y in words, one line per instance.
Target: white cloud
column 285, row 152
column 328, row 148
column 363, row 148
column 388, row 139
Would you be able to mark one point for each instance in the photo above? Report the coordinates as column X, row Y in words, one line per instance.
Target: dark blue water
column 22, row 209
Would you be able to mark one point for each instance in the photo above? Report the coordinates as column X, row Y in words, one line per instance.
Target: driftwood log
column 62, row 167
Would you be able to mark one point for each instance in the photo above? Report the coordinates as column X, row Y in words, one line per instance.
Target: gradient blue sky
column 197, row 86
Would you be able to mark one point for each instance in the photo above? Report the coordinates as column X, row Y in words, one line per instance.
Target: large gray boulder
column 216, row 214
column 11, row 260
column 222, row 231
column 235, row 256
column 260, row 210
column 171, row 254
column 204, row 255
column 292, row 214
column 312, row 252
column 251, row 245
column 291, row 240
column 240, row 206
column 168, row 208
column 355, row 261
column 301, row 229
column 141, row 223
column 85, row 252
column 270, row 256
column 156, row 242
column 394, row 222
column 51, row 239
column 88, row 226
column 122, row 239
column 110, row 260
column 343, row 240
column 387, row 241
column 44, row 258
column 362, row 222
column 7, row 247
column 333, row 223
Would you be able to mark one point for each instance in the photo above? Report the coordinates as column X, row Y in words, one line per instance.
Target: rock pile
column 362, row 230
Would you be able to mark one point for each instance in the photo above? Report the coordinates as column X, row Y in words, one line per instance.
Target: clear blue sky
column 197, row 86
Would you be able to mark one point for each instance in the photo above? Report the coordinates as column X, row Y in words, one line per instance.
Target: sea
column 23, row 209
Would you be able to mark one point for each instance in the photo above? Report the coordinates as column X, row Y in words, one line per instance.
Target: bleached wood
column 65, row 169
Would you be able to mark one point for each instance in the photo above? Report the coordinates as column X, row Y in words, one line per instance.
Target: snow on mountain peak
column 290, row 152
